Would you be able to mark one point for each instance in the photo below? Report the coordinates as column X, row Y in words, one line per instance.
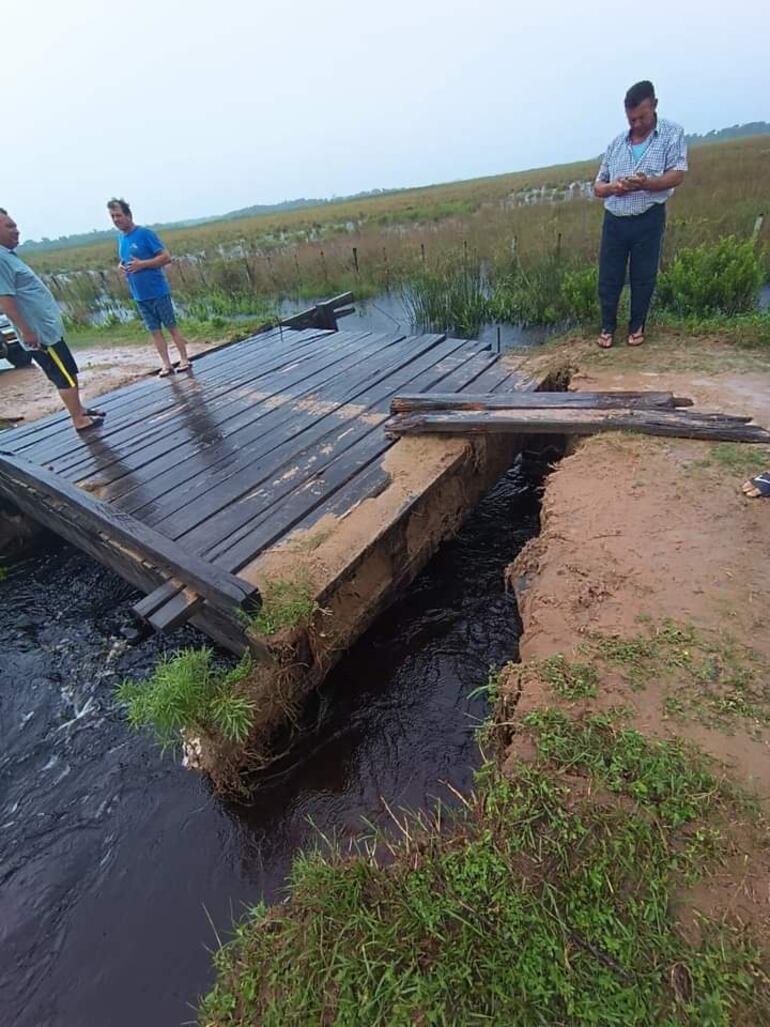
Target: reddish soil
column 638, row 530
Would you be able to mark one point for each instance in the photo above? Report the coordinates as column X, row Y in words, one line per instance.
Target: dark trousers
column 636, row 239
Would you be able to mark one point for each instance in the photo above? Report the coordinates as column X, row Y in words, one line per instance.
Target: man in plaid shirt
column 639, row 173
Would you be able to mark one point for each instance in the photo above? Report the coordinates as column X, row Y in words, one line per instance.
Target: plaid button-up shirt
column 667, row 151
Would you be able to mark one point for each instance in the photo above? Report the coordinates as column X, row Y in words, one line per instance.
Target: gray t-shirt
column 34, row 300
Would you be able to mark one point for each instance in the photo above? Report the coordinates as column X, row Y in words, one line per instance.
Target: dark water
column 115, row 862
column 386, row 313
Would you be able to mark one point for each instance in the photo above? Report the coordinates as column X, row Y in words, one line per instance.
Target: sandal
column 95, row 422
column 165, row 372
column 183, row 367
column 636, row 338
column 605, row 340
column 95, row 413
column 757, row 487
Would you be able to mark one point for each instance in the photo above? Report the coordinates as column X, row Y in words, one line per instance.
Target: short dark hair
column 115, row 202
column 3, row 211
column 638, row 93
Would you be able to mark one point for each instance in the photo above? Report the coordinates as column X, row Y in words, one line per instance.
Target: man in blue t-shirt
column 142, row 259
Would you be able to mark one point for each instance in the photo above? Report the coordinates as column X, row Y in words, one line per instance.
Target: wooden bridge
column 191, row 479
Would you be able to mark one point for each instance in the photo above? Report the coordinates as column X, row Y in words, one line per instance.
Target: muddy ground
column 642, row 538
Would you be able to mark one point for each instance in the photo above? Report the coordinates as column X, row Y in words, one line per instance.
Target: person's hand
column 619, row 186
column 31, row 341
column 133, row 266
column 637, row 181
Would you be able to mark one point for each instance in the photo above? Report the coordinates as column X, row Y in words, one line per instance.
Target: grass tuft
column 285, row 604
column 569, row 679
column 539, row 905
column 188, row 691
column 712, row 679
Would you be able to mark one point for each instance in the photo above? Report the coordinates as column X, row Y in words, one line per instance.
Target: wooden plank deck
column 214, row 467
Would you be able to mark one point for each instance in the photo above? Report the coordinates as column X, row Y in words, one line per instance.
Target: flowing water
column 117, row 866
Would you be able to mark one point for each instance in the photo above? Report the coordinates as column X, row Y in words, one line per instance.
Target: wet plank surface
column 260, row 437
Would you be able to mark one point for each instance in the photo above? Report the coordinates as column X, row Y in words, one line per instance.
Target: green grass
column 130, row 333
column 733, row 459
column 285, row 604
column 540, row 904
column 705, row 677
column 188, row 691
column 569, row 679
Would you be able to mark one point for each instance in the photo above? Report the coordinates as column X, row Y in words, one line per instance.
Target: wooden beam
column 671, row 423
column 429, row 402
column 322, row 315
column 84, row 515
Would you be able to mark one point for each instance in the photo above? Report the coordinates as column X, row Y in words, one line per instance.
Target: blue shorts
column 157, row 312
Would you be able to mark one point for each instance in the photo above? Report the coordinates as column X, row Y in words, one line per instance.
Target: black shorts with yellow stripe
column 58, row 364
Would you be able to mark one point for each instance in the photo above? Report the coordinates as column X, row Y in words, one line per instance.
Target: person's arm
column 10, row 308
column 603, row 187
column 658, row 184
column 159, row 260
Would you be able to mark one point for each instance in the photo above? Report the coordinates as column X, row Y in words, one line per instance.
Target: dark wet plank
column 211, row 361
column 87, row 515
column 273, row 451
column 165, row 403
column 204, row 419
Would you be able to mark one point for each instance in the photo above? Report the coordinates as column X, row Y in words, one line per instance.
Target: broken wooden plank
column 670, row 423
column 421, row 402
column 81, row 514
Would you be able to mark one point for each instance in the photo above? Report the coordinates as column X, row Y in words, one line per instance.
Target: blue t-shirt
column 143, row 244
column 639, row 149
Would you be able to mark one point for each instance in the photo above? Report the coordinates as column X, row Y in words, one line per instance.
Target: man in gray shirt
column 35, row 316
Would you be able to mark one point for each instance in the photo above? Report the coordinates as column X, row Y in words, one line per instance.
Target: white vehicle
column 10, row 349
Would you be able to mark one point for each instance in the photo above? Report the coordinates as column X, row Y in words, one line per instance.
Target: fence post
column 757, row 227
column 422, row 251
column 355, row 258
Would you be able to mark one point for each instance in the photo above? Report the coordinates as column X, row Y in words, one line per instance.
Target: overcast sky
column 189, row 108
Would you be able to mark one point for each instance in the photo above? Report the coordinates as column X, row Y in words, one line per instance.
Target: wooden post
column 558, row 245
column 422, row 251
column 323, row 264
column 757, row 227
column 355, row 258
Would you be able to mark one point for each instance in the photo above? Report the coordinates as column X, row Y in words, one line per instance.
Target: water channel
column 118, row 865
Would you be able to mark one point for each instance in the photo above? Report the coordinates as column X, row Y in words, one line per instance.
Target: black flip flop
column 762, row 483
column 95, row 422
column 95, row 413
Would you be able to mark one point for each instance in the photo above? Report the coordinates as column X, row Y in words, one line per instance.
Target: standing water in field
column 118, row 865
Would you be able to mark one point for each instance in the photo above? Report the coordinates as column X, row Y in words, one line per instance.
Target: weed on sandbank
column 546, row 902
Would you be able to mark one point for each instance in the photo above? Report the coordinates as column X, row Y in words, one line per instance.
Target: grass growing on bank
column 189, row 692
column 133, row 333
column 285, row 604
column 548, row 900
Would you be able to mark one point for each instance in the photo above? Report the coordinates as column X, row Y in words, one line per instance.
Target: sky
column 190, row 109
